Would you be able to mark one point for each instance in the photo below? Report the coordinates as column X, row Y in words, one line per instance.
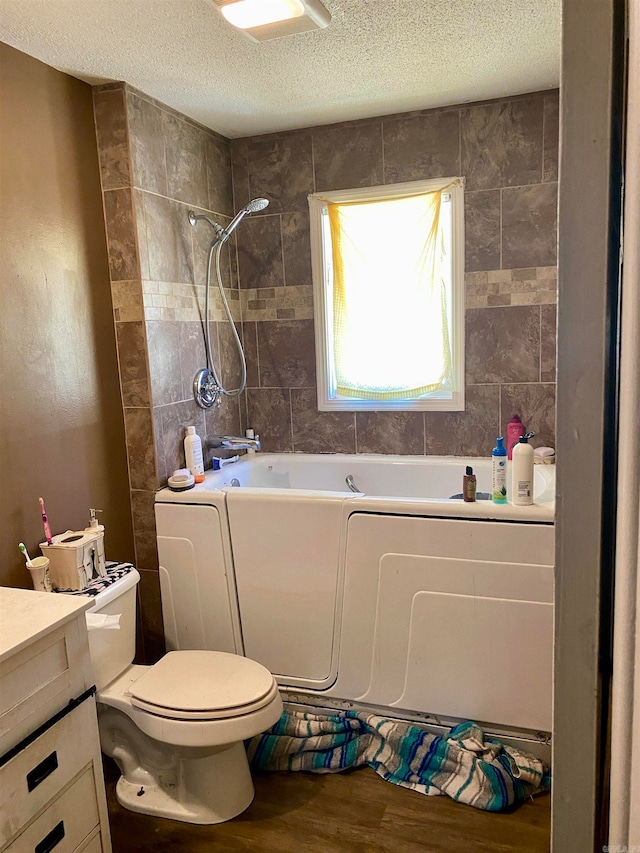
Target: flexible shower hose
column 216, row 246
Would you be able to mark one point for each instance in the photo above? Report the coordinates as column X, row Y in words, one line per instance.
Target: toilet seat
column 203, row 685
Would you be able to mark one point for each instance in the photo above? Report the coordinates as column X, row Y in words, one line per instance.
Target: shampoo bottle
column 499, row 470
column 469, row 485
column 523, row 471
column 193, row 454
column 514, row 431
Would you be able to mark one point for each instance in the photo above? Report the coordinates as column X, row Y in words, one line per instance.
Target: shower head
column 254, row 206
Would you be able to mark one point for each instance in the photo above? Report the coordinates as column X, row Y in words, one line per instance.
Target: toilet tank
column 113, row 649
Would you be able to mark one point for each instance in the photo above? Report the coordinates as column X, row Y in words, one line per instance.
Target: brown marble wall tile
column 468, row 433
column 219, row 182
column 346, row 157
column 260, row 252
column 269, row 414
column 144, row 529
column 163, row 342
column 240, row 172
column 111, row 134
column 250, row 344
column 132, row 359
column 186, row 155
column 147, row 145
column 536, row 405
column 423, row 146
column 296, row 248
column 126, row 297
column 529, row 226
column 286, row 351
column 280, row 169
column 503, row 344
column 161, row 463
column 140, row 449
column 320, row 432
column 482, row 230
column 175, row 418
column 151, row 612
column 140, row 221
column 229, row 359
column 551, row 136
column 548, row 319
column 390, row 432
column 169, row 240
column 192, row 354
column 121, row 241
column 502, row 143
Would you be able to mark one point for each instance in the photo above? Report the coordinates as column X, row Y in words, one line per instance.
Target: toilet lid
column 203, row 684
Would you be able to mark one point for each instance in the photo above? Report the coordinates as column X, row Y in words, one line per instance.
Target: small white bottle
column 193, row 454
column 249, row 433
column 523, row 471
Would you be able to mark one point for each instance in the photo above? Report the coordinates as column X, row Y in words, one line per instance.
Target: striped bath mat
column 465, row 765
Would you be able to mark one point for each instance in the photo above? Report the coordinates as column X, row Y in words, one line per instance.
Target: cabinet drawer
column 40, row 680
column 38, row 773
column 65, row 824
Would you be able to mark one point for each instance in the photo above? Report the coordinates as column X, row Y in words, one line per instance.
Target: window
column 388, row 278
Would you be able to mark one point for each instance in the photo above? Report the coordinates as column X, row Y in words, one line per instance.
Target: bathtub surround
column 507, row 150
column 61, row 431
column 155, row 166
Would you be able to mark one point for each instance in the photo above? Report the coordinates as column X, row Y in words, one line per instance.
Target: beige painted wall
column 61, row 423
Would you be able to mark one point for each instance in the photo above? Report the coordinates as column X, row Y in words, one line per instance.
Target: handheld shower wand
column 223, row 234
column 207, row 387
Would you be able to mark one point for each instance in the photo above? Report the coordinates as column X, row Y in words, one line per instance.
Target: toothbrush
column 25, row 553
column 45, row 523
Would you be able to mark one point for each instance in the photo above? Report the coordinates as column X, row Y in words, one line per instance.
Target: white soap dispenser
column 523, row 471
column 94, row 525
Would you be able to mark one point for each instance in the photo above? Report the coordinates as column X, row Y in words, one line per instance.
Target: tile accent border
column 493, row 288
column 294, row 302
column 169, row 301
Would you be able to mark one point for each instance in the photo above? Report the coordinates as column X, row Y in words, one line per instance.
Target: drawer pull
column 44, row 769
column 51, row 840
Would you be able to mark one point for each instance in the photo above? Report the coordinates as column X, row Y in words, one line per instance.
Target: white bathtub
column 427, row 478
column 395, row 597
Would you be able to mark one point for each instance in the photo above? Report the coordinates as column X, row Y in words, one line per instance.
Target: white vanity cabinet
column 52, row 797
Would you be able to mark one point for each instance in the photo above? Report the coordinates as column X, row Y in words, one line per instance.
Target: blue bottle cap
column 499, row 449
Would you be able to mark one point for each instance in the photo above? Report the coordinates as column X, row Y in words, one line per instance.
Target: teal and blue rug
column 465, row 764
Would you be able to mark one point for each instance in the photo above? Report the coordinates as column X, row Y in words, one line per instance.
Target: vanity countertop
column 26, row 615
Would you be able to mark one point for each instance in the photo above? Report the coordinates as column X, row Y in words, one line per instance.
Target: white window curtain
column 389, row 298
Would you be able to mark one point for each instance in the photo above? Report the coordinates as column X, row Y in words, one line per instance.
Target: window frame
column 438, row 400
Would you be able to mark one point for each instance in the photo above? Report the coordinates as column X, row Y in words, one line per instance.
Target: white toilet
column 176, row 729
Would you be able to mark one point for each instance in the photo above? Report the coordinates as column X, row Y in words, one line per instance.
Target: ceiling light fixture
column 262, row 20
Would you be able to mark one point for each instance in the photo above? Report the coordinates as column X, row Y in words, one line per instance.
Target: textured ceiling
column 376, row 57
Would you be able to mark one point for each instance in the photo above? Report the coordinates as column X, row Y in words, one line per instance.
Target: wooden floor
column 353, row 812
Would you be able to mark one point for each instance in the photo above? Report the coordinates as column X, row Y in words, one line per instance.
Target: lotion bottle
column 499, row 472
column 193, row 454
column 523, row 471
